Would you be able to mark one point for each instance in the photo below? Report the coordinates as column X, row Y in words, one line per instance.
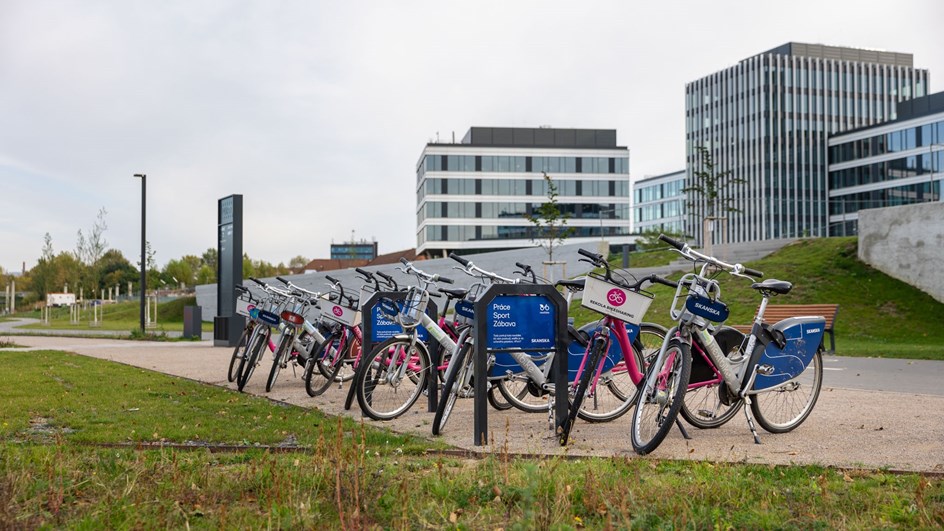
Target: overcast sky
column 318, row 111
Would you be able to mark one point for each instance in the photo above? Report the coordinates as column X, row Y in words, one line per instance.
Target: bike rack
column 374, row 335
column 520, row 308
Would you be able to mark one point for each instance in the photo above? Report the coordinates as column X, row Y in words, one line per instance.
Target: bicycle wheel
column 238, row 354
column 661, row 397
column 391, row 378
column 324, row 365
column 457, row 377
column 280, row 358
column 522, row 393
column 710, row 406
column 783, row 408
column 497, row 400
column 248, row 364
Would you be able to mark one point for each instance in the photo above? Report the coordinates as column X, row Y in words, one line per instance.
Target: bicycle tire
column 248, row 364
column 495, row 399
column 767, row 404
column 449, row 391
column 286, row 342
column 703, row 407
column 596, row 349
column 657, row 409
column 378, row 390
column 325, row 361
column 238, row 353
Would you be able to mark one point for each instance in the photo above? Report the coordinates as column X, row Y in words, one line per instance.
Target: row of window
column 523, row 187
column 645, row 194
column 460, row 233
column 888, row 171
column 885, row 197
column 905, row 139
column 520, row 164
column 457, row 210
column 667, row 209
column 677, row 226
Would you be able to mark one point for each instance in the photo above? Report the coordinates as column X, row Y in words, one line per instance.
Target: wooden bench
column 778, row 312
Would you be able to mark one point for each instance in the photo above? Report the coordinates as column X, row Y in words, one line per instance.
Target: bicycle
column 390, row 380
column 606, row 365
column 777, row 367
column 343, row 343
column 298, row 335
column 265, row 319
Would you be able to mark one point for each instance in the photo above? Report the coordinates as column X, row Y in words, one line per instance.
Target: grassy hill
column 878, row 315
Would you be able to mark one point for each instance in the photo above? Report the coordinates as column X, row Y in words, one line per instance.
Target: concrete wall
column 906, row 242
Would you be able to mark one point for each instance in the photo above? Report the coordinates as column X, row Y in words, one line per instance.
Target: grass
column 653, row 258
column 878, row 315
column 118, row 316
column 357, row 477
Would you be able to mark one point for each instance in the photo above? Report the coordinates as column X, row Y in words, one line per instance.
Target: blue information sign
column 383, row 328
column 520, row 322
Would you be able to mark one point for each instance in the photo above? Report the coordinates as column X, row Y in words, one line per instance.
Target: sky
column 317, row 111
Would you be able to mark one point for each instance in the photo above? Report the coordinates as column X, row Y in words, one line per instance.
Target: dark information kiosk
column 227, row 324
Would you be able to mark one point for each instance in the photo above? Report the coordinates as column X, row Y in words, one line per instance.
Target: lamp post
column 143, row 257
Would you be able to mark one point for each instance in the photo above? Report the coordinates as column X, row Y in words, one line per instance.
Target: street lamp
column 143, row 258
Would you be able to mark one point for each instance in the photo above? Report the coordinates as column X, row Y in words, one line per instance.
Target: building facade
column 767, row 120
column 352, row 250
column 895, row 163
column 475, row 196
column 659, row 203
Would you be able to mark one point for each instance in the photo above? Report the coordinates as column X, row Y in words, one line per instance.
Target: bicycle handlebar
column 597, row 258
column 673, row 242
column 390, row 281
column 459, row 259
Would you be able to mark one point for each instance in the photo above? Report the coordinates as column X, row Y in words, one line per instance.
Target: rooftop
column 842, row 53
column 543, row 137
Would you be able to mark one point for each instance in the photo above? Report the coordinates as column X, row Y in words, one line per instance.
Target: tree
column 210, row 258
column 89, row 249
column 298, row 262
column 709, row 191
column 115, row 270
column 550, row 225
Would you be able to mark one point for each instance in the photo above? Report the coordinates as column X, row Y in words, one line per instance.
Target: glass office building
column 475, row 195
column 768, row 119
column 895, row 163
column 659, row 203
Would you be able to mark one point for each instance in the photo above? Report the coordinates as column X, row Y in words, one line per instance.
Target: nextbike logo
column 709, row 309
column 337, row 311
column 616, row 297
column 544, row 308
column 250, row 307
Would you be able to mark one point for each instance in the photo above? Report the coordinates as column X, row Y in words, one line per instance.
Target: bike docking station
column 379, row 327
column 519, row 318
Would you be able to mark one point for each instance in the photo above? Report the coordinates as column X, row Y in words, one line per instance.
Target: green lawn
column 52, row 474
column 118, row 316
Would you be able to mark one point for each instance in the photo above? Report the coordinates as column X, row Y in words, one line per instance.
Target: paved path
column 852, row 426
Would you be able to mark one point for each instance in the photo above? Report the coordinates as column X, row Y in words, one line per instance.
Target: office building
column 767, row 120
column 659, row 203
column 894, row 163
column 474, row 196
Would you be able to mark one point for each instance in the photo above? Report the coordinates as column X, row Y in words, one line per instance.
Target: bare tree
column 550, row 224
column 708, row 191
column 89, row 249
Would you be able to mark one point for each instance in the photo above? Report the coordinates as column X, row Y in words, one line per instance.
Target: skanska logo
column 709, row 309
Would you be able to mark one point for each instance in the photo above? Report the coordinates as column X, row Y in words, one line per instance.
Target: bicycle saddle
column 457, row 293
column 576, row 284
column 774, row 285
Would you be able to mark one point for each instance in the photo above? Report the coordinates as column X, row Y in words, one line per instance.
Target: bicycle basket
column 614, row 300
column 414, row 306
column 365, row 294
column 244, row 304
column 338, row 313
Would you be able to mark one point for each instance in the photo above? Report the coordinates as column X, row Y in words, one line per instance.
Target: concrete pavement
column 850, row 427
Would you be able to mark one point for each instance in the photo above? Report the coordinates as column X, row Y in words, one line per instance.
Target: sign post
column 525, row 318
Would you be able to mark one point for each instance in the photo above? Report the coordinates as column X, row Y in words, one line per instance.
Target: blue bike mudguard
column 803, row 336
